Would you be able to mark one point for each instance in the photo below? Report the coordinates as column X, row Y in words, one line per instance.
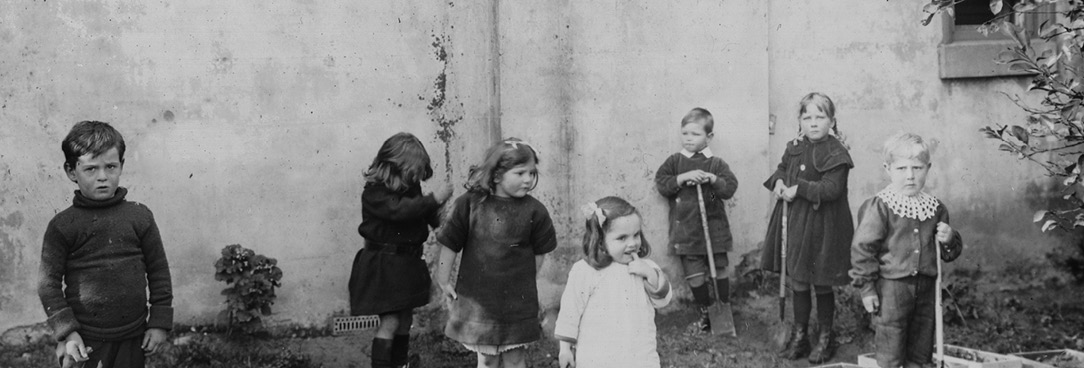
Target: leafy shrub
column 252, row 279
column 1052, row 134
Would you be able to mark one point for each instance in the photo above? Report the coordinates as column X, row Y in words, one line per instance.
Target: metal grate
column 346, row 325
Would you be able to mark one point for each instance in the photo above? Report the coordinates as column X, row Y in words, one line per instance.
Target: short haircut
column 500, row 158
column 700, row 116
column 906, row 145
column 90, row 137
column 594, row 239
column 400, row 163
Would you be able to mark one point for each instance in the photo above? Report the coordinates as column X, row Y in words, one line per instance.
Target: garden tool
column 783, row 267
column 720, row 314
column 939, row 318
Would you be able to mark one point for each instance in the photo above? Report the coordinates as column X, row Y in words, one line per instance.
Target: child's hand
column 790, row 193
column 443, row 192
column 152, row 340
column 779, row 188
column 872, row 304
column 944, row 233
column 693, row 177
column 73, row 345
column 449, row 292
column 640, row 268
column 566, row 358
column 711, row 177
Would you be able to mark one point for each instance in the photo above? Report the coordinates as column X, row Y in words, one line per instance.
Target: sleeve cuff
column 160, row 317
column 63, row 323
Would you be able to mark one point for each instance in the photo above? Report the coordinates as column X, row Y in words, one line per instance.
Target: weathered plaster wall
column 246, row 123
column 882, row 72
column 602, row 87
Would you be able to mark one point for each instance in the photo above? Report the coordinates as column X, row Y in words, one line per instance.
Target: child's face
column 694, row 138
column 908, row 175
column 97, row 176
column 623, row 238
column 515, row 183
column 815, row 122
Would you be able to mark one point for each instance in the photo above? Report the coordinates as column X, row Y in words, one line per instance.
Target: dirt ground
column 1016, row 310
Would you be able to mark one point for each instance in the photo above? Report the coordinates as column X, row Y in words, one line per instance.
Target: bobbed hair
column 906, row 145
column 594, row 239
column 499, row 158
column 825, row 104
column 93, row 137
column 700, row 116
column 400, row 163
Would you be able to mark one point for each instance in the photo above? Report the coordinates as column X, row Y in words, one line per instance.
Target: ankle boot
column 825, row 347
column 400, row 349
column 797, row 345
column 381, row 353
column 705, row 320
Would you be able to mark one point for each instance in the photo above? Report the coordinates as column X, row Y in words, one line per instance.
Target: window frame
column 964, row 52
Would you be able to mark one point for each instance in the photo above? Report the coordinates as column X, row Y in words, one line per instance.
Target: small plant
column 252, row 279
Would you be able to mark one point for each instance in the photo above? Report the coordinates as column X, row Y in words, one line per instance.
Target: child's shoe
column 824, row 349
column 797, row 345
column 705, row 320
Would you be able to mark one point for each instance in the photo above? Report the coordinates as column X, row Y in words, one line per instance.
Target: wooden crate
column 987, row 359
column 1064, row 358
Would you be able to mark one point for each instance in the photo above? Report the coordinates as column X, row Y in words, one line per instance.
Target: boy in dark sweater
column 98, row 260
column 676, row 180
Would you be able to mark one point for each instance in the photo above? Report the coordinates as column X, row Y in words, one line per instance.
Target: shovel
column 720, row 314
column 783, row 267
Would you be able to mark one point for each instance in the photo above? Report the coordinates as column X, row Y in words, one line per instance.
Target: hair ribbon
column 591, row 208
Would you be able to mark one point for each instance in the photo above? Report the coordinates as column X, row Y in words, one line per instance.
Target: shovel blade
column 722, row 320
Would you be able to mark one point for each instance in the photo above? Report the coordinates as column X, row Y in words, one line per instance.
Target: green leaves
column 995, row 6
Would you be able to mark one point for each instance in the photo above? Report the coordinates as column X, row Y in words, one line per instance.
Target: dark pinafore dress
column 389, row 274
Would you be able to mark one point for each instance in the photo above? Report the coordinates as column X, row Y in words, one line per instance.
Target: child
column 607, row 316
column 676, row 180
column 99, row 259
column 502, row 233
column 893, row 255
column 389, row 278
column 812, row 177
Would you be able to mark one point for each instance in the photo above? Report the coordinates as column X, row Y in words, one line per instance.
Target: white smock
column 610, row 316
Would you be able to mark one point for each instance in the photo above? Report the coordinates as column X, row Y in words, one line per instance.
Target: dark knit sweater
column 686, row 230
column 97, row 261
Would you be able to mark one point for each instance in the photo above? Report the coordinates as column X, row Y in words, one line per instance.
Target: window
column 967, row 53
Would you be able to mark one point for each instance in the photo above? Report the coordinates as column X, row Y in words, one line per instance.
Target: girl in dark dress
column 812, row 178
column 389, row 278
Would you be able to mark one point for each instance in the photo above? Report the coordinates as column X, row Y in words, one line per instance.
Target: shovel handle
column 707, row 234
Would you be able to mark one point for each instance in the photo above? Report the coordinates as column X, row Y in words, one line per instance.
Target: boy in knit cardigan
column 98, row 260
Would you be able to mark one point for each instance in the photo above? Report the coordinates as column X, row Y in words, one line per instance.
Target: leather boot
column 400, row 349
column 825, row 347
column 797, row 345
column 381, row 353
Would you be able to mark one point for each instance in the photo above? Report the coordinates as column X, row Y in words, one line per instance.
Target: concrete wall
column 252, row 123
column 881, row 70
column 604, row 86
column 246, row 123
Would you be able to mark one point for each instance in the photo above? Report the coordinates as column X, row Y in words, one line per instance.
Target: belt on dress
column 414, row 250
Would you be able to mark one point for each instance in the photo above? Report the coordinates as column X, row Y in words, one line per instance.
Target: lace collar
column 919, row 207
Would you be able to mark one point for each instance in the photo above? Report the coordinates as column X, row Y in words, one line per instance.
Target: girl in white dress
column 607, row 316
